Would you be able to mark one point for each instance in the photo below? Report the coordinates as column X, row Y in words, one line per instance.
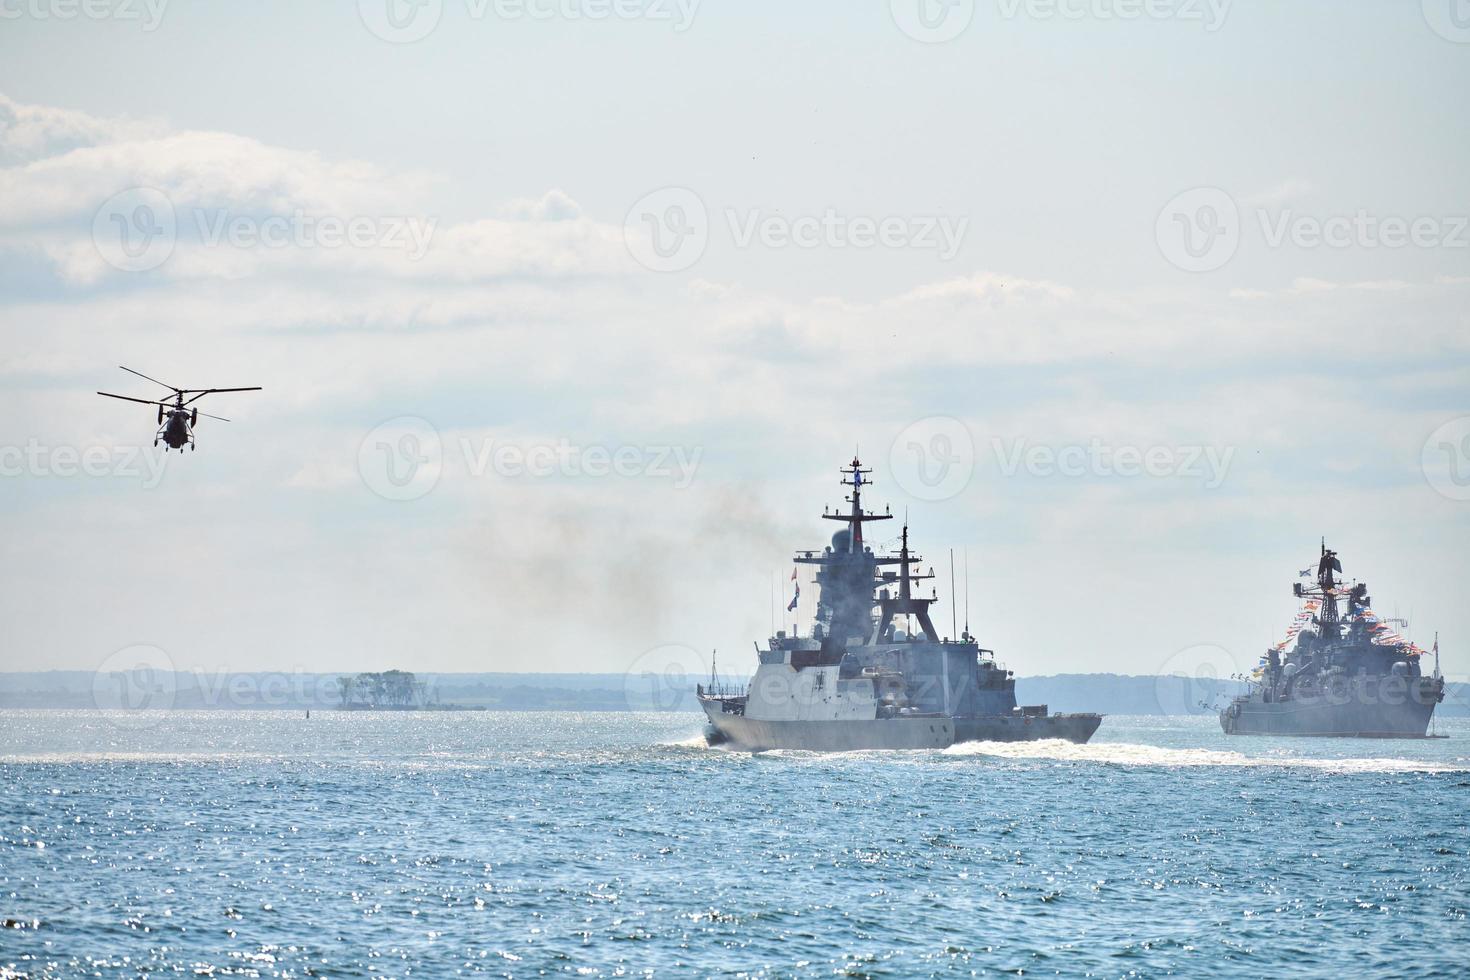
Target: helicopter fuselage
column 176, row 430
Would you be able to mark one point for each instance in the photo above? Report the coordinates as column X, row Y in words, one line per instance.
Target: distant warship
column 859, row 681
column 1349, row 674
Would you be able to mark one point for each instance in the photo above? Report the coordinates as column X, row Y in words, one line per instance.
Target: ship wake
column 692, row 742
column 1134, row 754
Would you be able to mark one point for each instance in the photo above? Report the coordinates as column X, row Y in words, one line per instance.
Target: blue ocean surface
column 533, row 844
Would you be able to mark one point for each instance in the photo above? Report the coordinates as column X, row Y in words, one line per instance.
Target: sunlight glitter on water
column 606, row 845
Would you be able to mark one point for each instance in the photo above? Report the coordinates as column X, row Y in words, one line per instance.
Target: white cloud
column 240, row 209
column 532, row 322
column 554, row 205
column 30, row 132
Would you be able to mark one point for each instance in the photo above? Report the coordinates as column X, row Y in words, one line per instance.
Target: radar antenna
column 953, row 625
column 967, row 591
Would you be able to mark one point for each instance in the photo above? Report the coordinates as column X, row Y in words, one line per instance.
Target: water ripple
column 602, row 845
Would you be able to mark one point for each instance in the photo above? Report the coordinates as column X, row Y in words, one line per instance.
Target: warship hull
column 1003, row 728
column 1323, row 719
column 751, row 735
column 923, row 732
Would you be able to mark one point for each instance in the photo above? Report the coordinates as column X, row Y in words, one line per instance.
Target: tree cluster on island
column 388, row 689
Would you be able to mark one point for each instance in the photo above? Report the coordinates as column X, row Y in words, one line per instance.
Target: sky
column 567, row 314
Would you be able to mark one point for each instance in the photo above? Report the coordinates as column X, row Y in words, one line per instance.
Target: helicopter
column 175, row 421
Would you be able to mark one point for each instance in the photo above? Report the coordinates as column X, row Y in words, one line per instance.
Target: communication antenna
column 967, row 590
column 953, row 614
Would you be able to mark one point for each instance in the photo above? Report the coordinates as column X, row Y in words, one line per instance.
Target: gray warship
column 1349, row 674
column 865, row 677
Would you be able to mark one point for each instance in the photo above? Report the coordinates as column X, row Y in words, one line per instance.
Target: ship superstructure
column 873, row 673
column 1350, row 673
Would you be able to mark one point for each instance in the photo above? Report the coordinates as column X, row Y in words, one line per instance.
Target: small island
column 391, row 690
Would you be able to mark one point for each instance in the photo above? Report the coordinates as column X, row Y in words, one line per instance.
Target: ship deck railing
column 719, row 692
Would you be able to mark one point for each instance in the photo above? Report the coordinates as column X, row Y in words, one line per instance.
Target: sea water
column 616, row 844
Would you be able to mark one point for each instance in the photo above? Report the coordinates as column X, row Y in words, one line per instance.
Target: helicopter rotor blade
column 140, row 401
column 212, row 391
column 145, row 377
column 217, row 418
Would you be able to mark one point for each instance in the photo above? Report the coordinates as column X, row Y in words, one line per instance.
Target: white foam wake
column 1132, row 754
column 692, row 742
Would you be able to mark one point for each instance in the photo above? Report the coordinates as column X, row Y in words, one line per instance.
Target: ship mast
column 846, row 569
column 855, row 518
column 905, row 604
column 1326, row 565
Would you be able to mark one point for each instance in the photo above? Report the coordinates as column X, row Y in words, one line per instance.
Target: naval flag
column 792, row 606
